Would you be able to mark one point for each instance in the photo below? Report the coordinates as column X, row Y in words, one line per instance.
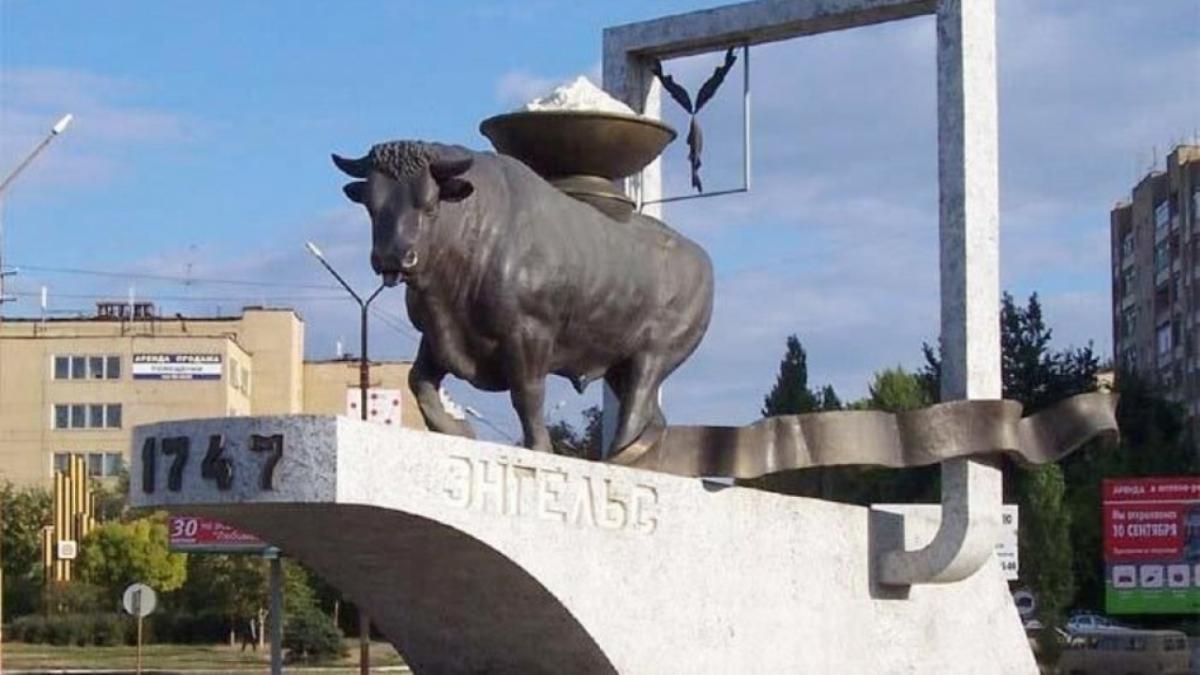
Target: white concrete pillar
column 969, row 233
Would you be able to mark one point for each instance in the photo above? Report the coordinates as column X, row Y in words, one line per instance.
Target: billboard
column 1152, row 545
column 192, row 534
column 176, row 366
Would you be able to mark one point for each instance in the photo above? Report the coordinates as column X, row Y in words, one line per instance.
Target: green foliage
column 791, row 394
column 1032, row 373
column 77, row 597
column 897, row 390
column 1044, row 537
column 573, row 443
column 234, row 586
column 310, row 637
column 117, row 554
column 100, row 629
column 23, row 514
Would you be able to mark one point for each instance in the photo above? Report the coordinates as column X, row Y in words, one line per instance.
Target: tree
column 23, row 514
column 117, row 554
column 791, row 394
column 897, row 390
column 586, row 443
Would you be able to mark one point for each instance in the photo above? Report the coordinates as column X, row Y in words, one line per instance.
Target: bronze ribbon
column 915, row 438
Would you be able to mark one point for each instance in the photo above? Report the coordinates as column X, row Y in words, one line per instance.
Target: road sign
column 1026, row 603
column 139, row 600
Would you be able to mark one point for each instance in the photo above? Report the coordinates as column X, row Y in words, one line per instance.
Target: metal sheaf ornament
column 695, row 139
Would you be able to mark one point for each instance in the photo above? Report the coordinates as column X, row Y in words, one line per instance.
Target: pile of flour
column 580, row 94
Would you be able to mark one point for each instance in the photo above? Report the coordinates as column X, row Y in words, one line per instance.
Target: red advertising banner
column 194, row 534
column 1152, row 544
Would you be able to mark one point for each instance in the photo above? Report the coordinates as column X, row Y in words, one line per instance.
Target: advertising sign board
column 176, row 366
column 204, row 535
column 1152, row 545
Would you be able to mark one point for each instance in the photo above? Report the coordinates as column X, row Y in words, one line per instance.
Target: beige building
column 1155, row 243
column 79, row 386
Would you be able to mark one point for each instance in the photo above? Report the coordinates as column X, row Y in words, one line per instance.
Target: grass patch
column 20, row 656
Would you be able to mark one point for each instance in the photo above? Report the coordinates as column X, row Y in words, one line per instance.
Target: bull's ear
column 356, row 191
column 454, row 189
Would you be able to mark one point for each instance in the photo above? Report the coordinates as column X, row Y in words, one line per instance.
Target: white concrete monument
column 478, row 557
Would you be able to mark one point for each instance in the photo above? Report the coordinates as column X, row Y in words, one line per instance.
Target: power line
column 168, row 277
column 190, row 298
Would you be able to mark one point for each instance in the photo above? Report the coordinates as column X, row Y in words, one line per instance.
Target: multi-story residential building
column 1155, row 240
column 79, row 386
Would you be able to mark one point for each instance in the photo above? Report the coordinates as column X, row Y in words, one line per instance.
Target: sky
column 198, row 164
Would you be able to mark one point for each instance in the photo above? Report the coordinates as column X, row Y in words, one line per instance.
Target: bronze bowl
column 561, row 143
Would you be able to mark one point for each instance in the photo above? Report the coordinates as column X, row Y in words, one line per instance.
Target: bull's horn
column 358, row 168
column 449, row 163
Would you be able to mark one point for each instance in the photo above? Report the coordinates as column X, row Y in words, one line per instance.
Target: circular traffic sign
column 139, row 600
column 1026, row 603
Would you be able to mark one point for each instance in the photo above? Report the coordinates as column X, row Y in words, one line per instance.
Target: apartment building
column 78, row 386
column 1155, row 243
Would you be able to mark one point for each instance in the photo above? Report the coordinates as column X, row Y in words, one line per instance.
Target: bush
column 77, row 597
column 310, row 637
column 72, row 629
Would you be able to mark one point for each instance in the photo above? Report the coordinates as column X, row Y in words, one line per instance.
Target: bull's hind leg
column 636, row 385
column 425, row 379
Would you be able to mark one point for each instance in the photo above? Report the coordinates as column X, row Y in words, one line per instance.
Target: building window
column 112, row 418
column 87, row 416
column 1127, row 245
column 114, row 463
column 1162, row 256
column 95, row 416
column 99, row 464
column 1162, row 216
column 1128, row 279
column 87, row 367
column 95, row 464
column 1164, row 339
column 1129, row 322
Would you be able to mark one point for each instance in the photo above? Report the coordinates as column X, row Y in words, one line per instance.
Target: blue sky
column 202, row 134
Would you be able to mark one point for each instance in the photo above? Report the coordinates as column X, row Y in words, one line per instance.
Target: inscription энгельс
column 508, row 488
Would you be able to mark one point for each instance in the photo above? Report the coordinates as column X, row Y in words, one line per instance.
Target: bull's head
column 402, row 187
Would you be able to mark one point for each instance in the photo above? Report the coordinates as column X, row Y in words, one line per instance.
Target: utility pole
column 59, row 127
column 364, row 383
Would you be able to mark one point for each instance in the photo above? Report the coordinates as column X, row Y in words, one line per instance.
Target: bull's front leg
column 425, row 380
column 528, row 397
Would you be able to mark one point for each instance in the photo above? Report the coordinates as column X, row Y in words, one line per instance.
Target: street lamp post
column 364, row 383
column 59, row 127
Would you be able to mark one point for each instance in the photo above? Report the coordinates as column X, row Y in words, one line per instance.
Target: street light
column 364, row 383
column 59, row 127
column 364, row 364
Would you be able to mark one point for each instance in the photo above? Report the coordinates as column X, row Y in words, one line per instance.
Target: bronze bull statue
column 508, row 279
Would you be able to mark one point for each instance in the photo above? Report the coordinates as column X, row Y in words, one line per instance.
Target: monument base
column 479, row 557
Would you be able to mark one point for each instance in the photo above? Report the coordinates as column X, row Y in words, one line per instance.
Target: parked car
column 1087, row 621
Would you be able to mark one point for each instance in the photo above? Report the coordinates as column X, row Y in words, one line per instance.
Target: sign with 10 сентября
column 1152, row 545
